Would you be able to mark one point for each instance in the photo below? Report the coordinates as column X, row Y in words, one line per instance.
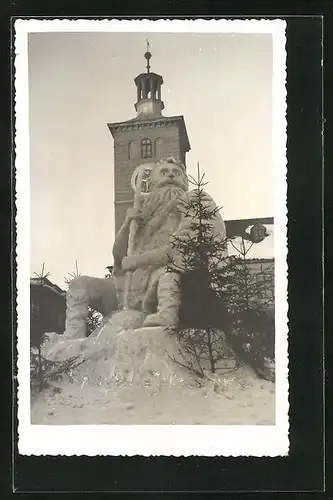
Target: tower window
column 146, row 148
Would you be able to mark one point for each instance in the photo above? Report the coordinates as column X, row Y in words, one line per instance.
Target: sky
column 79, row 82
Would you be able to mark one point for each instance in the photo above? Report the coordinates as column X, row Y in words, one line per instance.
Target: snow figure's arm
column 218, row 228
column 157, row 257
column 120, row 246
column 189, row 214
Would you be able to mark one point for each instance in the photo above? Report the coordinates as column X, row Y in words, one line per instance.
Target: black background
column 303, row 469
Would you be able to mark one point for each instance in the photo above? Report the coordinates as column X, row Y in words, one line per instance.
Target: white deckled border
column 151, row 439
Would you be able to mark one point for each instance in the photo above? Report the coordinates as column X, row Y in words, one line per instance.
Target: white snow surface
column 128, row 377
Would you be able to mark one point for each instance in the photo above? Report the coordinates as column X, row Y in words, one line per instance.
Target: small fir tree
column 94, row 319
column 204, row 319
column 44, row 372
column 221, row 306
column 251, row 306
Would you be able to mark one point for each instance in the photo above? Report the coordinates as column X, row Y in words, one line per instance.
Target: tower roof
column 142, row 123
column 155, row 76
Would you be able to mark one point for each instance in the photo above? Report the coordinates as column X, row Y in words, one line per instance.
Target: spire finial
column 148, row 55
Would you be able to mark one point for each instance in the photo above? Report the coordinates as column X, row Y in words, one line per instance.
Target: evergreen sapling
column 223, row 314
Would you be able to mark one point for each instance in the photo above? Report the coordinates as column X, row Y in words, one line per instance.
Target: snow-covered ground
column 129, row 378
column 242, row 398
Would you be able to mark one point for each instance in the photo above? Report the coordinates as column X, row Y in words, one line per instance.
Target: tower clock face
column 145, row 182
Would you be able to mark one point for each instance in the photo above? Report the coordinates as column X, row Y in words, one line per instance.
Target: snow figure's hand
column 133, row 214
column 129, row 263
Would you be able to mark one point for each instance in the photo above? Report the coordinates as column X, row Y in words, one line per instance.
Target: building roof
column 148, row 75
column 147, row 122
column 238, row 226
column 254, row 260
column 45, row 283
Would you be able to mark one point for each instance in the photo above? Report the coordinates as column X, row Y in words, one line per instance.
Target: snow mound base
column 120, row 354
column 130, row 376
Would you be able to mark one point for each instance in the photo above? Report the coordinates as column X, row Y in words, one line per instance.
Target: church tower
column 146, row 138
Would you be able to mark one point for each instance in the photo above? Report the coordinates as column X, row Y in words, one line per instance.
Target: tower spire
column 148, row 55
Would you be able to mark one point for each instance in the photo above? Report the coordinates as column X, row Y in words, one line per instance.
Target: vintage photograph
column 151, row 223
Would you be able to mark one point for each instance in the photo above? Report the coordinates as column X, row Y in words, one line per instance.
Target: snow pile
column 118, row 354
column 132, row 358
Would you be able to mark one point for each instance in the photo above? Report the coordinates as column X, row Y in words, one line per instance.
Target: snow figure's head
column 168, row 181
column 169, row 172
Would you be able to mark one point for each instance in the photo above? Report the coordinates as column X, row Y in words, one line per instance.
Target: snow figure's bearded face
column 168, row 181
column 169, row 173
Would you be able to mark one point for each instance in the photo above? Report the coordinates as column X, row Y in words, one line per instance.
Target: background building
column 263, row 273
column 48, row 309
